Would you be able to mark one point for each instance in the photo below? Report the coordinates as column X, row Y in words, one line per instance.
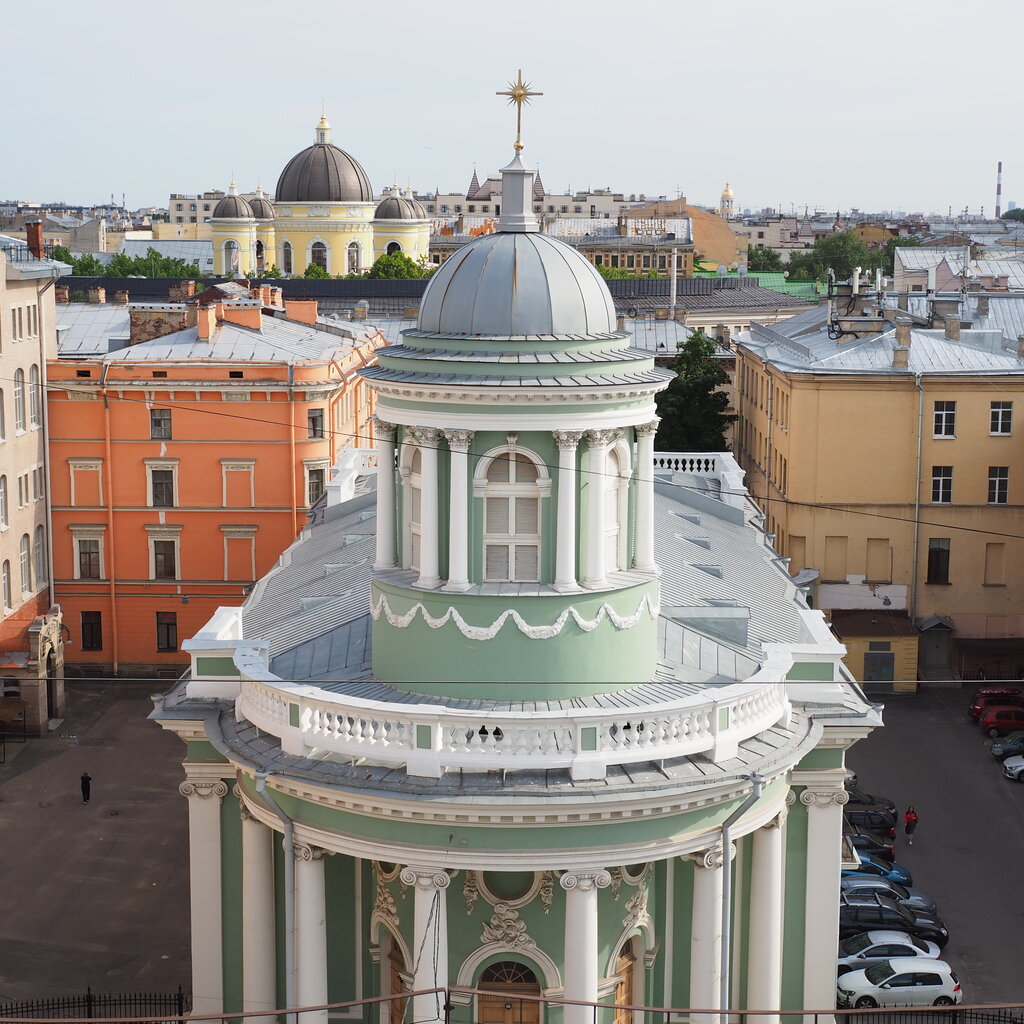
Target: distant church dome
column 323, row 174
column 399, row 207
column 233, row 205
column 262, row 207
column 517, row 283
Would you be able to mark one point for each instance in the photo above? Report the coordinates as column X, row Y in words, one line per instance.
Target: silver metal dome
column 517, row 283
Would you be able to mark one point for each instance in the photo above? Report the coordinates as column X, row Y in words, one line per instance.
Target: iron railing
column 112, row 1006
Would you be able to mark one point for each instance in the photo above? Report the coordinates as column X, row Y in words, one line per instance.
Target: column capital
column 426, row 436
column 384, row 431
column 203, row 789
column 458, row 440
column 567, row 440
column 778, row 821
column 647, row 429
column 824, row 797
column 245, row 814
column 425, row 878
column 601, row 438
column 585, row 881
column 711, row 857
column 308, row 853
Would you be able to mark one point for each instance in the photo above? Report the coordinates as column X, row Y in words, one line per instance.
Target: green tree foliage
column 83, row 265
column 1017, row 214
column 395, row 266
column 273, row 271
column 890, row 247
column 612, row 273
column 842, row 252
column 315, row 270
column 153, row 264
column 692, row 409
column 760, row 257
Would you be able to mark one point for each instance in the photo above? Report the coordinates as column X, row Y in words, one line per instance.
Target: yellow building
column 887, row 462
column 324, row 212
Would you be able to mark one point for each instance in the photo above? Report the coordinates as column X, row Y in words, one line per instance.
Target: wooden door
column 501, row 986
column 396, row 968
column 624, row 989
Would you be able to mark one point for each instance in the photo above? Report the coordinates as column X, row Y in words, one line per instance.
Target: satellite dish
column 722, row 270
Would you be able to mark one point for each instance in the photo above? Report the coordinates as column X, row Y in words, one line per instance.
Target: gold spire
column 519, row 92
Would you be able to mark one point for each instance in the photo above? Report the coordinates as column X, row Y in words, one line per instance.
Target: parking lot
column 968, row 847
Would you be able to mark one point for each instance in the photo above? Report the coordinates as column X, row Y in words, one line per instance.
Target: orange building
column 182, row 465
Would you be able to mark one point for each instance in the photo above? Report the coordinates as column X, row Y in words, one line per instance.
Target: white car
column 903, row 981
column 1013, row 768
column 867, row 948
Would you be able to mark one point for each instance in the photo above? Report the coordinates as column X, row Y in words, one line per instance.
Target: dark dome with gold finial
column 323, row 173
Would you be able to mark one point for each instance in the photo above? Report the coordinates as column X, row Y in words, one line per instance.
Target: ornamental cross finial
column 519, row 92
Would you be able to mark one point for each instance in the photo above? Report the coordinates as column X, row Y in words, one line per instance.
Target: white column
column 706, row 935
column 764, row 957
column 385, row 441
column 311, row 932
column 582, row 972
column 458, row 504
column 597, row 485
column 259, row 960
column 565, row 533
column 428, row 441
column 204, row 797
column 430, row 940
column 643, row 544
column 821, row 893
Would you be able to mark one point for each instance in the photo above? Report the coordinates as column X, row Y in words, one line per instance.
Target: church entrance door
column 501, row 986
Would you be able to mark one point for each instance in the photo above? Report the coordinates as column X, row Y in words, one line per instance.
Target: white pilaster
column 259, row 961
column 581, row 935
column 428, row 441
column 565, row 533
column 385, row 442
column 597, row 486
column 821, row 894
column 430, row 940
column 458, row 503
column 311, row 932
column 764, row 959
column 706, row 935
column 643, row 547
column 204, row 797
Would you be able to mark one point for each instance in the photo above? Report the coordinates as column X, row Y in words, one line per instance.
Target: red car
column 998, row 720
column 989, row 695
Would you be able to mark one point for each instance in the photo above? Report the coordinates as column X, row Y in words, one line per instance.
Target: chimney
column 97, row 295
column 982, row 305
column 724, row 336
column 661, row 313
column 903, row 333
column 1020, row 346
column 361, row 310
column 121, row 297
column 243, row 312
column 680, row 316
column 303, row 310
column 953, row 328
column 889, row 314
column 206, row 321
column 61, row 293
column 411, row 312
column 277, row 297
column 34, row 234
column 900, row 357
column 150, row 320
column 181, row 291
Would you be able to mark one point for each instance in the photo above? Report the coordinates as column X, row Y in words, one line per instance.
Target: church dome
column 395, row 207
column 322, row 173
column 517, row 283
column 233, row 205
column 262, row 207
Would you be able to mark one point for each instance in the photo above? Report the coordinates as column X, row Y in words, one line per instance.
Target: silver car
column 1013, row 768
column 867, row 948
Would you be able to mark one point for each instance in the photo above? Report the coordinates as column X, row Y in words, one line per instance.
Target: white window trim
column 164, row 532
column 307, row 465
column 88, row 531
column 410, row 481
column 86, row 466
column 620, row 484
column 172, row 465
column 238, row 532
column 237, row 466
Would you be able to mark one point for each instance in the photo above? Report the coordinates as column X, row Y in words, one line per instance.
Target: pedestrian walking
column 910, row 824
column 86, row 785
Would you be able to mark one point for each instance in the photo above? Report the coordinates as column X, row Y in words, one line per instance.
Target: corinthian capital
column 584, row 881
column 459, row 440
column 423, row 878
column 824, row 797
column 426, row 436
column 203, row 790
column 601, row 438
column 384, row 431
column 567, row 440
column 647, row 429
column 303, row 851
column 711, row 857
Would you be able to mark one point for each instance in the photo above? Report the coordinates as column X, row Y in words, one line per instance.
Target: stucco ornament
column 507, row 929
column 471, row 892
column 384, row 904
column 616, row 874
column 636, row 907
column 547, row 890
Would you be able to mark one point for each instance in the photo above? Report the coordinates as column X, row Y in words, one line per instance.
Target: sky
column 906, row 105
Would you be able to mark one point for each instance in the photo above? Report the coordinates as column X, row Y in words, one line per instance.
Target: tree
column 273, row 271
column 890, row 247
column 692, row 408
column 1017, row 214
column 315, row 270
column 842, row 252
column 760, row 257
column 612, row 273
column 153, row 264
column 395, row 266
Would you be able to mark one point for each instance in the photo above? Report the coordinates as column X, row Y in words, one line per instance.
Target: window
column 232, row 258
column 998, row 484
column 35, row 395
column 39, row 556
column 166, row 631
column 160, row 424
column 318, row 254
column 19, row 399
column 25, row 557
column 353, row 257
column 938, row 560
column 88, row 558
column 163, row 488
column 945, row 419
column 315, row 422
column 616, row 496
column 1001, row 421
column 5, row 519
column 92, row 631
column 458, row 208
column 236, row 374
column 314, row 484
column 286, row 258
column 512, row 520
column 6, row 580
column 3, row 418
column 942, row 485
column 159, row 373
column 165, row 560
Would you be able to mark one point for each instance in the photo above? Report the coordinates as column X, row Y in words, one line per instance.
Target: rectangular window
column 315, row 422
column 89, row 559
column 938, row 560
column 314, row 485
column 92, row 631
column 163, row 488
column 1001, row 418
column 166, row 631
column 165, row 560
column 942, row 485
column 945, row 419
column 160, row 424
column 998, row 484
column 995, row 565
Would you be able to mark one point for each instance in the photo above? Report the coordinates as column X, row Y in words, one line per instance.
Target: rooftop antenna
column 999, row 189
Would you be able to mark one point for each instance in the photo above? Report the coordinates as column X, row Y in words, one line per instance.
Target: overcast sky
column 900, row 105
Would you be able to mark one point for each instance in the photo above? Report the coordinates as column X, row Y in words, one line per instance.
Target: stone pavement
column 95, row 894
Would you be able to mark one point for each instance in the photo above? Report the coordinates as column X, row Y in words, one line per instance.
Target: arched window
column 19, row 399
column 393, row 247
column 6, row 580
column 4, row 517
column 512, row 520
column 34, row 397
column 318, row 254
column 353, row 257
column 259, row 254
column 414, row 497
column 231, row 257
column 286, row 258
column 3, row 417
column 39, row 556
column 25, row 557
column 616, row 495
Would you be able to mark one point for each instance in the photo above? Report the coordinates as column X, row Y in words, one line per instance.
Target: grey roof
column 516, row 284
column 400, row 208
column 233, row 206
column 1006, row 313
column 88, row 330
column 323, row 173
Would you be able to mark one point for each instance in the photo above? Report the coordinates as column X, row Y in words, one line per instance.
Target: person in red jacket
column 910, row 824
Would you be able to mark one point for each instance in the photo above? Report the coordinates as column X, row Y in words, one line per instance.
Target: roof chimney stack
column 34, row 236
column 903, row 333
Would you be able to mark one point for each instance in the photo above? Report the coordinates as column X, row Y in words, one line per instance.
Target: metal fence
column 146, row 1006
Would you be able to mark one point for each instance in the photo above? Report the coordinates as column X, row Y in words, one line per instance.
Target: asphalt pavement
column 968, row 846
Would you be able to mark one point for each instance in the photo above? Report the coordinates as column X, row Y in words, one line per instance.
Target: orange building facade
column 182, row 466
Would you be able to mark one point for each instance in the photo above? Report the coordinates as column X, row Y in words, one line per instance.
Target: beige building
column 886, row 457
column 31, row 648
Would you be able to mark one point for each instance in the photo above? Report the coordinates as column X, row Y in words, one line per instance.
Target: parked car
column 1013, row 768
column 873, row 866
column 866, row 913
column 990, row 695
column 856, row 885
column 868, row 842
column 1008, row 746
column 851, row 780
column 857, row 797
column 867, row 948
column 998, row 720
column 902, row 981
column 879, row 820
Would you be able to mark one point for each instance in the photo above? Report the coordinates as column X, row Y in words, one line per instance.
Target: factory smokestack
column 999, row 189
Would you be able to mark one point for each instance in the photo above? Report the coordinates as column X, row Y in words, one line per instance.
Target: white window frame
column 313, row 464
column 39, row 555
column 5, row 506
column 164, row 532
column 88, row 531
column 161, row 464
column 25, row 563
column 35, row 398
column 237, row 466
column 1000, row 416
column 944, row 483
column 616, row 482
column 20, row 408
column 6, row 587
column 86, row 466
column 237, row 532
column 999, row 485
column 412, row 483
column 944, row 420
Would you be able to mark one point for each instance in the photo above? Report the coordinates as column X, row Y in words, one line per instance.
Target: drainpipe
column 289, row 888
column 917, row 496
column 111, row 549
column 757, row 781
column 673, row 278
column 291, row 448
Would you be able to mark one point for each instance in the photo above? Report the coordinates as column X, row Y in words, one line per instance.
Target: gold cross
column 519, row 92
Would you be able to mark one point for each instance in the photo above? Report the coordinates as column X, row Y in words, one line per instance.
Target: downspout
column 291, row 447
column 111, row 548
column 917, row 497
column 289, row 887
column 757, row 782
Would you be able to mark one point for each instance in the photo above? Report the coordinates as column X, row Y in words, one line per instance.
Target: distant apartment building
column 185, row 460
